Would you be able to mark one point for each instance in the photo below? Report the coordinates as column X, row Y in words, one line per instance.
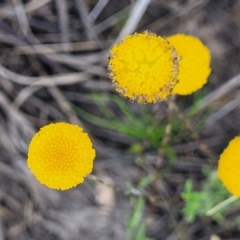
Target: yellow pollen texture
column 60, row 155
column 143, row 67
column 229, row 167
column 194, row 66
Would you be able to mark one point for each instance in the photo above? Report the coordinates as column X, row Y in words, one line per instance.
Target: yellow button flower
column 194, row 66
column 229, row 167
column 143, row 67
column 60, row 155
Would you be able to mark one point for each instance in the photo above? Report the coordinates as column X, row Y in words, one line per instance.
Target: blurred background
column 53, row 67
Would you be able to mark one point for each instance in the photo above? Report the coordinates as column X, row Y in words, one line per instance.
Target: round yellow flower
column 143, row 67
column 60, row 155
column 194, row 66
column 229, row 167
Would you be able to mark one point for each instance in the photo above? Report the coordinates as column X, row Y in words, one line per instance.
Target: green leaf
column 145, row 181
column 138, row 208
column 170, row 153
column 136, row 148
column 211, row 193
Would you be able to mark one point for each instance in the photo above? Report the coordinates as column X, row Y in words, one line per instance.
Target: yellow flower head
column 229, row 167
column 194, row 66
column 60, row 155
column 143, row 67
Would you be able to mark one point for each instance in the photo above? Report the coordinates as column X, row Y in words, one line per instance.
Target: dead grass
column 53, row 53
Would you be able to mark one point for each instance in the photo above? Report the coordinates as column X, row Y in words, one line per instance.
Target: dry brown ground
column 36, row 82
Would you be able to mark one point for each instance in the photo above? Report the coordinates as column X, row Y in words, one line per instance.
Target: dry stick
column 68, row 60
column 1, row 230
column 204, row 147
column 134, row 18
column 171, row 107
column 26, row 223
column 60, row 99
column 79, row 62
column 15, row 121
column 175, row 14
column 56, row 93
column 167, row 133
column 63, row 19
column 35, row 4
column 87, row 23
column 96, row 11
column 45, row 81
column 60, row 47
column 62, row 103
column 164, row 142
column 112, row 20
column 133, row 192
column 223, row 90
column 193, row 145
column 223, row 111
column 23, row 95
column 8, row 12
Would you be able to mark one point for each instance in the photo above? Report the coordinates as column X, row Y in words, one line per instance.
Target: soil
column 92, row 210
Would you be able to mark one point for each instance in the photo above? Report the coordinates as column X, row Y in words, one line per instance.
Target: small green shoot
column 136, row 226
column 142, row 127
column 211, row 193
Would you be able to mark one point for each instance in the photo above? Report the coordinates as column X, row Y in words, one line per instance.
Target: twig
column 65, row 79
column 224, row 89
column 133, row 192
column 98, row 9
column 23, row 95
column 69, row 60
column 234, row 103
column 87, row 23
column 159, row 159
column 22, row 17
column 82, row 62
column 194, row 145
column 205, row 149
column 115, row 18
column 7, row 12
column 17, row 125
column 164, row 142
column 63, row 19
column 35, row 4
column 176, row 14
column 170, row 102
column 1, row 230
column 62, row 103
column 60, row 47
column 134, row 19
